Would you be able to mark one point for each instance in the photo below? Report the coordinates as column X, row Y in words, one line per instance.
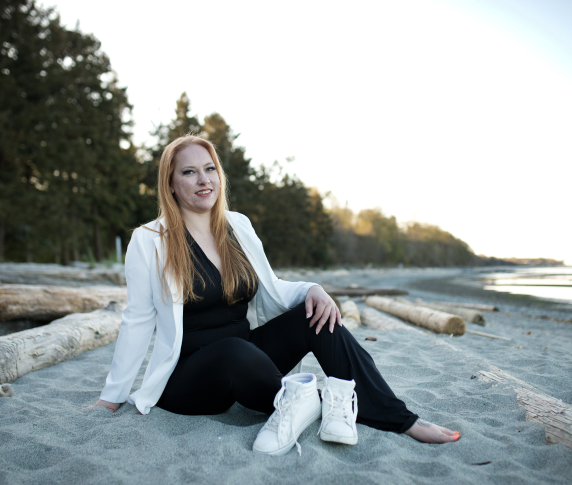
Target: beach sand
column 46, row 437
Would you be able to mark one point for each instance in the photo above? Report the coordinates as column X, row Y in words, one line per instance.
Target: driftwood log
column 434, row 320
column 474, row 306
column 359, row 291
column 376, row 320
column 63, row 339
column 27, row 302
column 467, row 314
column 6, row 390
column 350, row 315
column 482, row 334
column 554, row 414
column 55, row 274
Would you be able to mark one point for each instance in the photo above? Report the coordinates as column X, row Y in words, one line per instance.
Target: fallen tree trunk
column 63, row 339
column 467, row 314
column 27, row 302
column 554, row 414
column 350, row 315
column 474, row 306
column 435, row 320
column 353, row 291
column 55, row 274
column 376, row 320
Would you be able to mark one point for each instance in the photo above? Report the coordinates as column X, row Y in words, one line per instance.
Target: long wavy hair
column 238, row 274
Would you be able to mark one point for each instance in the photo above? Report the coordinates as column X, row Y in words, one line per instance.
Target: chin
column 202, row 208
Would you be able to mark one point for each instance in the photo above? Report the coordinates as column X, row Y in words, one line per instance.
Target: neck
column 197, row 224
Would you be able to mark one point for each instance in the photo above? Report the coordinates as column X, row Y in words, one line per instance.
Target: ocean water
column 554, row 283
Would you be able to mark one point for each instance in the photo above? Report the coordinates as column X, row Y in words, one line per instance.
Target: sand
column 46, row 437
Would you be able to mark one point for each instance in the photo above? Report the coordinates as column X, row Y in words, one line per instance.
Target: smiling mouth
column 204, row 192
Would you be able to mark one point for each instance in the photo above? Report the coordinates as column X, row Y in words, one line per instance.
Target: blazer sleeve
column 138, row 321
column 292, row 293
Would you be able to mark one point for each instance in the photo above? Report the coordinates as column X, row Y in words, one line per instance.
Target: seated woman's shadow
column 240, row 416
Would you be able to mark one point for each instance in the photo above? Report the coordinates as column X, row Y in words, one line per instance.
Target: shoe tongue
column 344, row 386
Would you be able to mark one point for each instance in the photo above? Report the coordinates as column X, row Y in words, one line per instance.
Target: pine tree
column 183, row 124
column 244, row 196
column 62, row 169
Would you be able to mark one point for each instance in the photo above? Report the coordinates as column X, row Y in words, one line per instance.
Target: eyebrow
column 194, row 166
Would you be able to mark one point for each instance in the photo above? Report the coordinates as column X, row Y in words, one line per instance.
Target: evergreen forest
column 71, row 179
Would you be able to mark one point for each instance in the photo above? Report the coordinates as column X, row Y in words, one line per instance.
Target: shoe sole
column 345, row 440
column 290, row 445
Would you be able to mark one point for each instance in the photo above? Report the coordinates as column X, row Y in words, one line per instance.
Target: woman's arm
column 137, row 325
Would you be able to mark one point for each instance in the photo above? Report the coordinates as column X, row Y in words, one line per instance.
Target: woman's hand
column 325, row 309
column 112, row 406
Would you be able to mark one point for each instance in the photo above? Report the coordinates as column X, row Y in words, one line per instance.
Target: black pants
column 248, row 369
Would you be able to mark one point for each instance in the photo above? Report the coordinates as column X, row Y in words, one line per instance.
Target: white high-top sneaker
column 338, row 414
column 297, row 407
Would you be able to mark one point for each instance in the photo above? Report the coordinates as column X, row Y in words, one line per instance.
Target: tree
column 292, row 223
column 428, row 245
column 385, row 235
column 62, row 168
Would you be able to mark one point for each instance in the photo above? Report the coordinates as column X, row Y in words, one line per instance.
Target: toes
column 447, row 438
column 448, row 432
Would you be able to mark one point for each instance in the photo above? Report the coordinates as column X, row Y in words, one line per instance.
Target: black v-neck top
column 210, row 319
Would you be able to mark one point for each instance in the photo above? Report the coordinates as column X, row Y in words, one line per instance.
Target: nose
column 203, row 179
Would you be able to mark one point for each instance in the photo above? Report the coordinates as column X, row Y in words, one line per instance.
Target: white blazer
column 149, row 304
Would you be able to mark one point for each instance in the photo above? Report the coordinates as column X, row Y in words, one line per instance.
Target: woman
column 194, row 273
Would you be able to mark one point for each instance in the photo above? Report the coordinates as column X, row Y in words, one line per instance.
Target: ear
column 172, row 190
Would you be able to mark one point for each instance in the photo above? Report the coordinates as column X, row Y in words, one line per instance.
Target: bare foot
column 431, row 433
column 112, row 406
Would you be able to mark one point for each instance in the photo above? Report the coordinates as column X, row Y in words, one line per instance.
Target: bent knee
column 238, row 350
column 233, row 345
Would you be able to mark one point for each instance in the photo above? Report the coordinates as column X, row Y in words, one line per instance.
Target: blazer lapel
column 176, row 297
column 162, row 253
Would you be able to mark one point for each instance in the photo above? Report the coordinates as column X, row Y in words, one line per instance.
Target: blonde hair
column 179, row 264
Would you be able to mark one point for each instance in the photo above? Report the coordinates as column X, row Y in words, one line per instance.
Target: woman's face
column 195, row 180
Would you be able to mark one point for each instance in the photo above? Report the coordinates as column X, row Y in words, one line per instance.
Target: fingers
column 333, row 318
column 320, row 307
column 309, row 307
column 326, row 315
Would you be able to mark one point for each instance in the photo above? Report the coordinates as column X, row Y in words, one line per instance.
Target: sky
column 449, row 112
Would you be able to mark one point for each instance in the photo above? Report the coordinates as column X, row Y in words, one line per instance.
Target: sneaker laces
column 339, row 406
column 282, row 406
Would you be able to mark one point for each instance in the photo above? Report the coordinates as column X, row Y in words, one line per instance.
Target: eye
column 211, row 168
column 188, row 171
